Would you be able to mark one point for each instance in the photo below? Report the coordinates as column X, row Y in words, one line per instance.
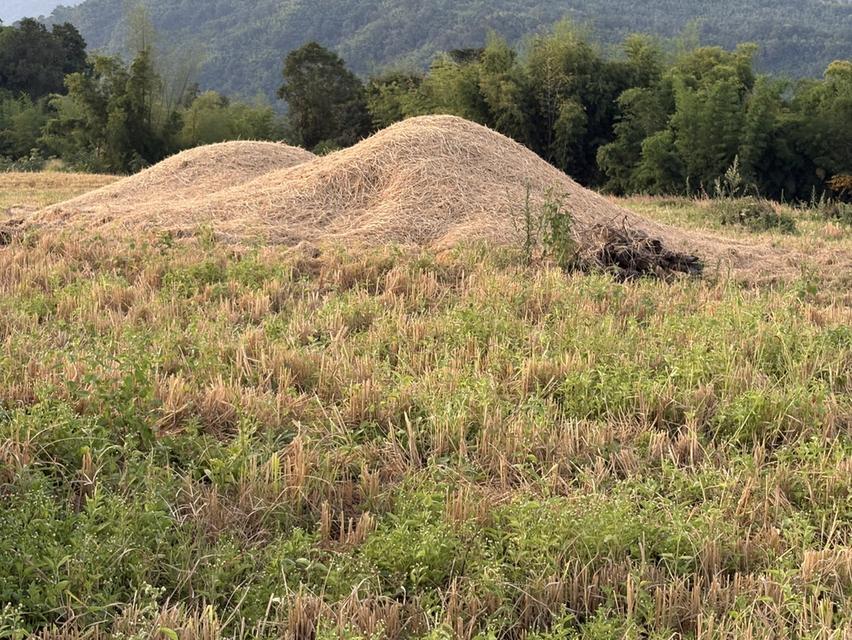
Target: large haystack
column 186, row 177
column 431, row 181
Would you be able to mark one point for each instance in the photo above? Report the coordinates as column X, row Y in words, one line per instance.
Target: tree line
column 99, row 113
column 646, row 119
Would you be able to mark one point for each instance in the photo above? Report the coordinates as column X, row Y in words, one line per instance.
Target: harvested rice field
column 210, row 431
column 28, row 192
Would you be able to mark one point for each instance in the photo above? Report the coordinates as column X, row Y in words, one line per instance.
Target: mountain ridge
column 245, row 43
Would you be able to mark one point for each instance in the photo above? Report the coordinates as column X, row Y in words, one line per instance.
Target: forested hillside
column 244, row 42
column 11, row 10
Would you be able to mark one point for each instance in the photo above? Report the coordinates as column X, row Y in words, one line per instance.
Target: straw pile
column 432, row 181
column 187, row 176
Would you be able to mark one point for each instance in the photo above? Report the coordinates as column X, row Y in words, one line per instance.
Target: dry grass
column 218, row 441
column 395, row 445
column 434, row 182
column 21, row 192
column 821, row 248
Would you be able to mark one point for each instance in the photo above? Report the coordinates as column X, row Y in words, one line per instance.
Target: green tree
column 326, row 101
column 214, row 118
column 106, row 122
column 35, row 61
column 708, row 125
column 644, row 112
column 503, row 85
column 21, row 123
column 452, row 87
column 824, row 109
column 574, row 90
column 661, row 169
column 73, row 47
column 176, row 67
column 770, row 159
column 644, row 61
column 686, row 129
column 394, row 96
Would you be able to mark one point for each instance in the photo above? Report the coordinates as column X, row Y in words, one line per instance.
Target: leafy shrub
column 754, row 214
column 326, row 147
column 837, row 212
column 558, row 240
column 33, row 162
column 415, row 548
column 547, row 231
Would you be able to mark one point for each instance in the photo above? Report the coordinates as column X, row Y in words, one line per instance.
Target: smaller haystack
column 187, row 176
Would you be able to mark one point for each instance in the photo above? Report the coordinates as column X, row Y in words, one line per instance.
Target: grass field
column 31, row 190
column 201, row 441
